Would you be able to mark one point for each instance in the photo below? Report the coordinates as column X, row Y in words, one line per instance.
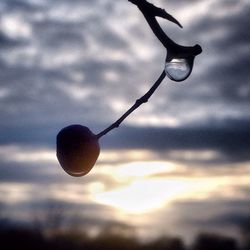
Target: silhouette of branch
column 154, row 11
column 150, row 12
column 136, row 105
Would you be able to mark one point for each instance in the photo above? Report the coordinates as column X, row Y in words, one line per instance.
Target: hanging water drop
column 179, row 69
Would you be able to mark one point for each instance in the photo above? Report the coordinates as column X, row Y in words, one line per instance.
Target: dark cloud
column 20, row 6
column 229, row 138
column 234, row 213
column 7, row 42
column 14, row 172
column 231, row 219
column 226, row 39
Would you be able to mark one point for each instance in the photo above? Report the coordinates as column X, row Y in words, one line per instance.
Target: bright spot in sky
column 142, row 196
column 144, row 187
column 143, row 169
column 15, row 27
column 139, row 191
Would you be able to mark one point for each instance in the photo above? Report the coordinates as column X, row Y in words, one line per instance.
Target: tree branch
column 150, row 12
column 136, row 105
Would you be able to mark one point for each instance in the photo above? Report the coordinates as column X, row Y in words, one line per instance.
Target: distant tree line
column 21, row 238
column 53, row 228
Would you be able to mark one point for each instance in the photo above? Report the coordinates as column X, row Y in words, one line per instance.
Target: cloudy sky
column 180, row 164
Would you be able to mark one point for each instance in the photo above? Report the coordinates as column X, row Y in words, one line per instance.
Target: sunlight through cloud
column 26, row 154
column 144, row 169
column 142, row 196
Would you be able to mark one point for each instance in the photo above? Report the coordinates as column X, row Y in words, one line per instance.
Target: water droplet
column 178, row 69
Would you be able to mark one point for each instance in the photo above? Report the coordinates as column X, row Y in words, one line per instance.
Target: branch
column 150, row 12
column 155, row 11
column 163, row 14
column 136, row 105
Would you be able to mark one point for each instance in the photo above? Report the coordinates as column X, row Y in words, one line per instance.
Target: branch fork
column 174, row 50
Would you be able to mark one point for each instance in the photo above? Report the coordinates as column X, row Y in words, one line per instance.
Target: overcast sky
column 86, row 62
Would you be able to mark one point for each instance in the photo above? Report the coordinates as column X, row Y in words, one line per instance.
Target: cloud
column 8, row 42
column 228, row 43
column 229, row 138
column 232, row 218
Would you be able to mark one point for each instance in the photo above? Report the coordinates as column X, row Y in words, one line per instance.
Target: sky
column 178, row 165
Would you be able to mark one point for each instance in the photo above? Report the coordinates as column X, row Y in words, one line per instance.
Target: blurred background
column 177, row 171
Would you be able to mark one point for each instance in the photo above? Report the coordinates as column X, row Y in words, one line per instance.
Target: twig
column 150, row 12
column 136, row 105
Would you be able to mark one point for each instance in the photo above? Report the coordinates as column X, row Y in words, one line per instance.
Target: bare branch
column 136, row 105
column 153, row 10
column 150, row 12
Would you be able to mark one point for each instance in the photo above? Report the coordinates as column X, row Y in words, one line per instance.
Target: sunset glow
column 142, row 189
column 142, row 196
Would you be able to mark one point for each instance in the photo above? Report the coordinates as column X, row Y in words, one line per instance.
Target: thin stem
column 136, row 105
